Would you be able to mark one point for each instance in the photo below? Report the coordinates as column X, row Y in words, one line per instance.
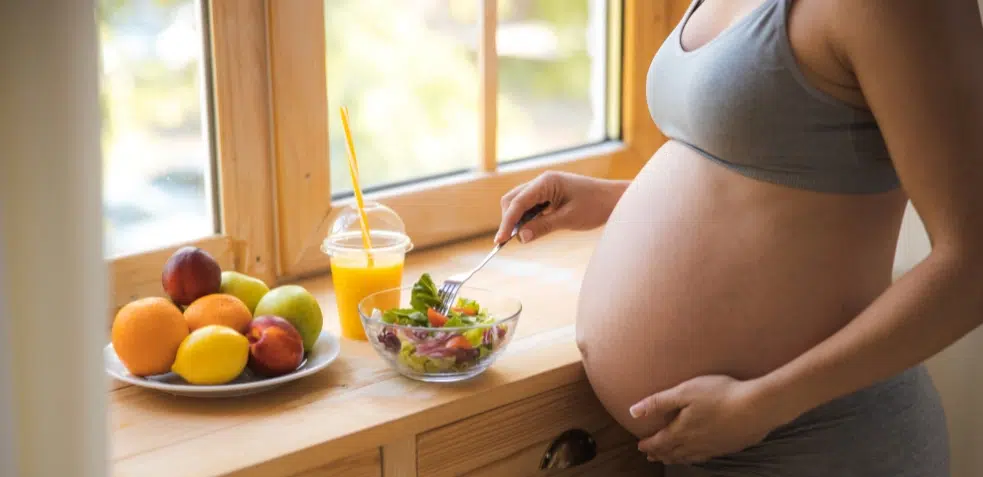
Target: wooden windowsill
column 358, row 402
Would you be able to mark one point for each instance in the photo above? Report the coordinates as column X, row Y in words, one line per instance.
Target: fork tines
column 448, row 290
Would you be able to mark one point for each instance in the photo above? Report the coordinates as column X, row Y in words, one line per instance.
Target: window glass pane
column 407, row 71
column 157, row 163
column 551, row 67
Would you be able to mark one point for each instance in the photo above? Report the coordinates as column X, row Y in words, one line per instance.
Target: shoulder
column 919, row 65
column 859, row 30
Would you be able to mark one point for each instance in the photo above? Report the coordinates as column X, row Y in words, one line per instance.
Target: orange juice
column 354, row 279
column 365, row 260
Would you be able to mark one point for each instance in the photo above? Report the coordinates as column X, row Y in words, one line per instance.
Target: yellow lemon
column 213, row 354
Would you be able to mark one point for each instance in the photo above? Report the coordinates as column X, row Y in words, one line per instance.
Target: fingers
column 665, row 458
column 674, row 444
column 672, row 457
column 679, row 455
column 665, row 442
column 520, row 199
column 507, row 198
column 659, row 404
column 669, row 447
column 662, row 444
column 505, row 229
column 544, row 224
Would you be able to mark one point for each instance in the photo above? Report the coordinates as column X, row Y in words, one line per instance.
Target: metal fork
column 452, row 285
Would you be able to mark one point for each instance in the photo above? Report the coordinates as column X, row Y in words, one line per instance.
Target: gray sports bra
column 741, row 100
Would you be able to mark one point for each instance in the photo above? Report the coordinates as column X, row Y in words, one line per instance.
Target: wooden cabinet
column 363, row 464
column 512, row 440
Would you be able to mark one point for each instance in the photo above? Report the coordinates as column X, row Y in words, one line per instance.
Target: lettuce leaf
column 405, row 317
column 455, row 321
column 424, row 294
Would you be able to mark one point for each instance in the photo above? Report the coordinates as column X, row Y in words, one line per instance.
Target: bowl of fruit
column 405, row 328
column 215, row 333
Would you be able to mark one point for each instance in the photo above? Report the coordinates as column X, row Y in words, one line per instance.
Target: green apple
column 244, row 287
column 296, row 305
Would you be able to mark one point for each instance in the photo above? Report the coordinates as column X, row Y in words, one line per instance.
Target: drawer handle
column 570, row 449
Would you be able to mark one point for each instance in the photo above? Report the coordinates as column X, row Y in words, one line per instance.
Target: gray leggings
column 895, row 428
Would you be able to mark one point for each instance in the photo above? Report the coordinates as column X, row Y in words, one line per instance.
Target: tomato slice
column 465, row 311
column 458, row 342
column 436, row 319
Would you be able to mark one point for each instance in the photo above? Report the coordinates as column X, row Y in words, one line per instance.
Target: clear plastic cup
column 357, row 272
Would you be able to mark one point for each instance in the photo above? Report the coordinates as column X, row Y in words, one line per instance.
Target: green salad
column 423, row 309
column 433, row 346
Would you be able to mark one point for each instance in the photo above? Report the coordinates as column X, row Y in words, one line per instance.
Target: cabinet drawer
column 363, row 464
column 512, row 440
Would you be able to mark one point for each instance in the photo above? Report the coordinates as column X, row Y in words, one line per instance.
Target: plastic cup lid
column 386, row 231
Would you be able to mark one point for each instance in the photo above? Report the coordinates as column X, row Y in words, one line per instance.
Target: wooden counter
column 358, row 417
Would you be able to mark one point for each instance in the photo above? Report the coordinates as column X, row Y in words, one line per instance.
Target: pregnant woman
column 738, row 314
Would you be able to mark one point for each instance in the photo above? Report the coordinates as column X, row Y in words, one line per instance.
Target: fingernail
column 636, row 411
column 525, row 235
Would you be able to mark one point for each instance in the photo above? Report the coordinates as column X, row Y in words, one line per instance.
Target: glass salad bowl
column 420, row 343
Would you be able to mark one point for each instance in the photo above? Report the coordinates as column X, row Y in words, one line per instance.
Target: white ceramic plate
column 326, row 350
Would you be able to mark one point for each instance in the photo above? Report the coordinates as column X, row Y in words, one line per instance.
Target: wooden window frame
column 239, row 75
column 271, row 118
column 468, row 202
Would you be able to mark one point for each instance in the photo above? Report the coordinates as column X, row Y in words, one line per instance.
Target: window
column 414, row 114
column 185, row 137
column 552, row 76
column 222, row 123
column 158, row 189
column 453, row 102
column 410, row 72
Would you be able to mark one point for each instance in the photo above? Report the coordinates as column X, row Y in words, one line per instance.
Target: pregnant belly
column 703, row 271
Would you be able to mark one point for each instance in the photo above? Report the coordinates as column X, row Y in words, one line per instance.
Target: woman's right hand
column 576, row 203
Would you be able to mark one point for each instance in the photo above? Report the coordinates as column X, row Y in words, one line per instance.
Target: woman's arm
column 920, row 67
column 577, row 202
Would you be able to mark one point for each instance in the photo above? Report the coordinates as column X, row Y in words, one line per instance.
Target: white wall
column 958, row 371
column 53, row 287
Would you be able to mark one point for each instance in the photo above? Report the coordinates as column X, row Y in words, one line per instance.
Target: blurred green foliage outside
column 407, row 70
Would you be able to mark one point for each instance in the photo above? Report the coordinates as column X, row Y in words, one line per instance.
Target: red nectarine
column 190, row 274
column 275, row 346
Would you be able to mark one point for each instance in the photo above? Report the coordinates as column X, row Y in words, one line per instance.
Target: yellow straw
column 353, row 170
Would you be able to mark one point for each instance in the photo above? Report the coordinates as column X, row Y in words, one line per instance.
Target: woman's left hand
column 710, row 416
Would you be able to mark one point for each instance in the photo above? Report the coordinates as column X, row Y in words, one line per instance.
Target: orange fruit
column 218, row 309
column 146, row 335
